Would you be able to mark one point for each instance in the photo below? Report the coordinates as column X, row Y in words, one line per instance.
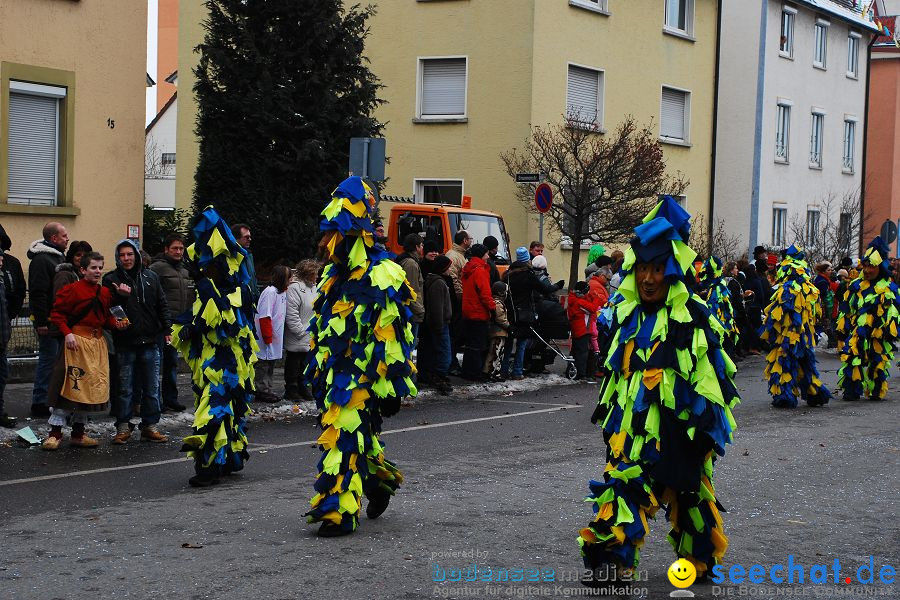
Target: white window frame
column 853, row 54
column 686, row 140
column 848, row 162
column 779, row 225
column 816, row 135
column 58, row 94
column 813, row 222
column 680, row 200
column 788, row 18
column 597, row 6
column 783, row 131
column 688, row 31
column 419, row 184
column 601, row 89
column 820, row 44
column 420, row 76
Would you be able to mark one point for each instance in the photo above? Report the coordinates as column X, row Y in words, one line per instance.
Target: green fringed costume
column 665, row 408
column 361, row 342
column 715, row 291
column 868, row 326
column 216, row 338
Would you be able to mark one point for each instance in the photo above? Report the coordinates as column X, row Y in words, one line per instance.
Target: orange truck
column 440, row 222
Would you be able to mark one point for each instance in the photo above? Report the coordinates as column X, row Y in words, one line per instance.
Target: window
column 594, row 5
column 849, row 145
column 853, row 55
column 680, row 16
column 442, row 88
column 584, row 96
column 786, row 47
column 779, row 221
column 782, row 132
column 168, row 159
column 821, row 48
column 812, row 228
column 680, row 200
column 674, row 115
column 815, row 140
column 844, row 224
column 430, row 226
column 34, row 143
column 439, row 191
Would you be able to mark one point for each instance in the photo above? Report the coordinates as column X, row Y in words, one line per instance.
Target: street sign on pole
column 889, row 232
column 543, row 198
column 528, row 177
column 367, row 158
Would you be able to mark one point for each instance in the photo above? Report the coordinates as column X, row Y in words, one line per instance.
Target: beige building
column 72, row 97
column 464, row 80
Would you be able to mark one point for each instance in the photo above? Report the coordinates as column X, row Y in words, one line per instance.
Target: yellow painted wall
column 191, row 14
column 105, row 47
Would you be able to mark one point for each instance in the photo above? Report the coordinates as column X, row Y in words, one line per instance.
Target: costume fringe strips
column 216, row 338
column 714, row 290
column 789, row 328
column 361, row 341
column 867, row 324
column 665, row 407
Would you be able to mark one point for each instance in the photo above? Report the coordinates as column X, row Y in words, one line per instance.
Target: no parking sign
column 543, row 198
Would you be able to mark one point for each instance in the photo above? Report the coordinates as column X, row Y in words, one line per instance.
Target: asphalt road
column 493, row 480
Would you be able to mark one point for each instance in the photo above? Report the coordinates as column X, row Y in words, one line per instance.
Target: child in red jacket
column 582, row 310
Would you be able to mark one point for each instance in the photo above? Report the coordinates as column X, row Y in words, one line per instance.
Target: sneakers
column 152, row 434
column 51, row 443
column 85, row 441
column 7, row 421
column 123, row 433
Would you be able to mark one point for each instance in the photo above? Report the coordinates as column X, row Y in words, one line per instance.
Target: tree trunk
column 573, row 264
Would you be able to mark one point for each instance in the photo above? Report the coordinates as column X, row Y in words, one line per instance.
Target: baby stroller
column 552, row 325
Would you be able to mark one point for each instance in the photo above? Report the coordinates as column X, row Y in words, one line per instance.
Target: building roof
column 160, row 113
column 883, row 40
column 173, row 77
column 846, row 10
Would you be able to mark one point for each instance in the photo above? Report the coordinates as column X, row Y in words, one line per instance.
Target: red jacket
column 477, row 300
column 90, row 301
column 581, row 311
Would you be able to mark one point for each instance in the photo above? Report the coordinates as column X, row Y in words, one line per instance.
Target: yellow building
column 465, row 79
column 72, row 95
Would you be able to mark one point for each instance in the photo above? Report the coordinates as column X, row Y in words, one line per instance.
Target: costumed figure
column 665, row 406
column 216, row 338
column 867, row 325
column 361, row 342
column 714, row 289
column 789, row 328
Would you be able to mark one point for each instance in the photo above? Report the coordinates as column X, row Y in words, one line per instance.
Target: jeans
column 580, row 347
column 48, row 351
column 147, row 357
column 517, row 357
column 169, row 372
column 434, row 351
column 294, row 366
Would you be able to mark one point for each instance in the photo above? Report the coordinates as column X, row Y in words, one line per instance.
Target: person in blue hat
column 665, row 406
column 789, row 327
column 361, row 340
column 868, row 325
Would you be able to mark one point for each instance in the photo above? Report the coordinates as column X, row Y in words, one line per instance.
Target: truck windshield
column 479, row 227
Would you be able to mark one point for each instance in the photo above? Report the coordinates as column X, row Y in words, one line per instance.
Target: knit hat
column 522, row 254
column 440, row 264
column 539, row 262
column 595, row 252
column 490, row 242
column 771, row 260
column 499, row 288
column 430, row 246
column 478, row 250
column 843, row 273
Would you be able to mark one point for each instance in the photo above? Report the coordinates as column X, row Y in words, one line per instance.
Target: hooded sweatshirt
column 146, row 306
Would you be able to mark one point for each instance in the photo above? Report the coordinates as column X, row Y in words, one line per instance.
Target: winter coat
column 66, row 273
column 477, row 301
column 598, row 288
column 298, row 314
column 520, row 301
column 500, row 322
column 145, row 306
column 44, row 257
column 14, row 284
column 176, row 283
column 272, row 304
column 438, row 304
column 581, row 311
column 457, row 256
column 410, row 264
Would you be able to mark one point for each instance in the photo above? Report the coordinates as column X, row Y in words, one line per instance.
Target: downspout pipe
column 715, row 126
column 865, row 146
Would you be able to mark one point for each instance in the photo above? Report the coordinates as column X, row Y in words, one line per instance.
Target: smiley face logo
column 682, row 573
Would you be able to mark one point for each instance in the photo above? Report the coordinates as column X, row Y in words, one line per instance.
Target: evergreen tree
column 282, row 86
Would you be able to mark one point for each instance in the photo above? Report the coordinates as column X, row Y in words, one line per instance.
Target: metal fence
column 23, row 343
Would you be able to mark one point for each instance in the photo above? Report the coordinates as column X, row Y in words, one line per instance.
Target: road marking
column 267, row 447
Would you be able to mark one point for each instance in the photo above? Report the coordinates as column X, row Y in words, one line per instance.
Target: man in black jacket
column 13, row 277
column 44, row 254
column 136, row 349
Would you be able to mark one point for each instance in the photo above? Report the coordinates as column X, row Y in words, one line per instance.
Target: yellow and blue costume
column 665, row 407
column 867, row 325
column 790, row 329
column 361, row 341
column 216, row 338
column 714, row 290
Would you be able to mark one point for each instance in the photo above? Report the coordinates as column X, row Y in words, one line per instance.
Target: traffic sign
column 889, row 232
column 543, row 198
column 528, row 177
